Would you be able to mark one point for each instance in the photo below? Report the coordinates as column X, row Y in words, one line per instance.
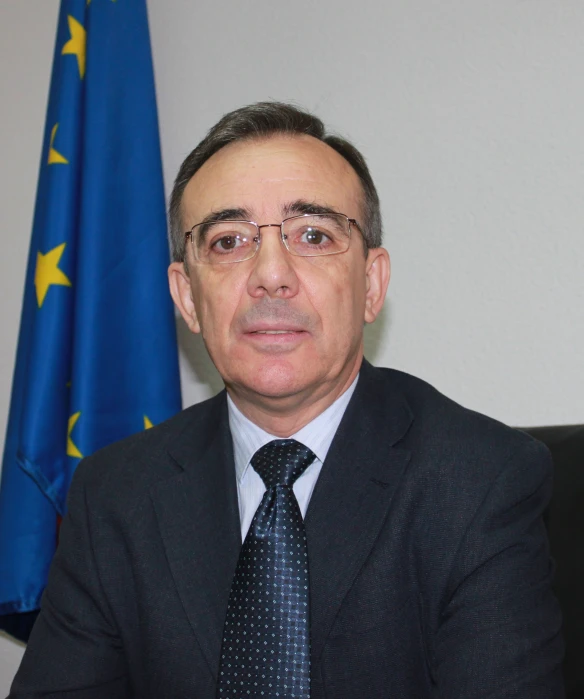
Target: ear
column 181, row 291
column 378, row 270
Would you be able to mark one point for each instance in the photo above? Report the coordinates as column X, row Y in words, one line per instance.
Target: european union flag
column 97, row 355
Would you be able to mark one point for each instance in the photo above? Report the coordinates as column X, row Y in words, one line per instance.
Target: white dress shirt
column 248, row 438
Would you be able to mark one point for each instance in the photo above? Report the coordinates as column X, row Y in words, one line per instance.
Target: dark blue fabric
column 430, row 573
column 97, row 355
column 266, row 637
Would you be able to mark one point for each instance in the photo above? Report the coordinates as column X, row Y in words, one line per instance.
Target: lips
column 276, row 340
column 267, row 328
column 274, row 332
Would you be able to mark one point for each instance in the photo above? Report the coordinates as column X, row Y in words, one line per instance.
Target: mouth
column 274, row 332
column 276, row 339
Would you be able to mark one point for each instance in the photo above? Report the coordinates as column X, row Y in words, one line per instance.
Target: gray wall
column 470, row 114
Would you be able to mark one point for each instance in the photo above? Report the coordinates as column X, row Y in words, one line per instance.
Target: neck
column 283, row 416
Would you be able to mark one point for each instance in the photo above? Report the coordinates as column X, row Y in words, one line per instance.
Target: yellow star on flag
column 76, row 44
column 48, row 273
column 55, row 158
column 147, row 423
column 71, row 448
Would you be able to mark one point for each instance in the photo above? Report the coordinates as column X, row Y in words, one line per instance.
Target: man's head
column 284, row 330
column 262, row 120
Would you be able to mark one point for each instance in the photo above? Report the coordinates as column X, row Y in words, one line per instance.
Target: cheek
column 216, row 299
column 337, row 295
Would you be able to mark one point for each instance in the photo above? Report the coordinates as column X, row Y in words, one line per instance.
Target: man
column 428, row 569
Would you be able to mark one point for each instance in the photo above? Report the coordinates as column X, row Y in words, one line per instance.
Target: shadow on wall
column 202, row 372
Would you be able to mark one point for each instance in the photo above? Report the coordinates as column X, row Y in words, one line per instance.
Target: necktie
column 266, row 645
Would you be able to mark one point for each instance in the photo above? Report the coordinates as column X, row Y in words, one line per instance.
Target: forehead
column 263, row 176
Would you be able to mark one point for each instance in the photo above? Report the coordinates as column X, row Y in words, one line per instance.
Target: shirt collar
column 316, row 435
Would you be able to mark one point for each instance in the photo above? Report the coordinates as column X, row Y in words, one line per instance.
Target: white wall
column 470, row 114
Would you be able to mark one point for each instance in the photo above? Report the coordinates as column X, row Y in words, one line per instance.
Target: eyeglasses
column 306, row 235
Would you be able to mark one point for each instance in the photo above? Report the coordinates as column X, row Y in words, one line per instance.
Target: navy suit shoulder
column 455, row 422
column 456, row 437
column 126, row 470
column 462, row 463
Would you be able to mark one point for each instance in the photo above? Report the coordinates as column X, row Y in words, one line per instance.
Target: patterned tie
column 266, row 645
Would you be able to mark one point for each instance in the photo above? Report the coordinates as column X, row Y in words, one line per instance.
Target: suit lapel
column 353, row 494
column 198, row 518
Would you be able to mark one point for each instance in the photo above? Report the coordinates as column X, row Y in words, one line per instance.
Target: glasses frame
column 258, row 238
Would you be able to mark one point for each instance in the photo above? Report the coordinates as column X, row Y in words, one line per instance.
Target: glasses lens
column 219, row 242
column 313, row 235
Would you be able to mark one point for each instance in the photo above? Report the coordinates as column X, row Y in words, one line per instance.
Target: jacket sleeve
column 74, row 649
column 499, row 632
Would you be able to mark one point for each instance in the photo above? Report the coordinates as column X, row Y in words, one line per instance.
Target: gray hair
column 262, row 120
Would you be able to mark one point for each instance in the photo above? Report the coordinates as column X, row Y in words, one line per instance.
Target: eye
column 226, row 243
column 314, row 236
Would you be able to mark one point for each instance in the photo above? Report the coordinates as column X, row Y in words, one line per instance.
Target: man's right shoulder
column 128, row 468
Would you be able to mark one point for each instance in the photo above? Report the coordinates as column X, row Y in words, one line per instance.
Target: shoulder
column 454, row 437
column 464, row 468
column 127, row 469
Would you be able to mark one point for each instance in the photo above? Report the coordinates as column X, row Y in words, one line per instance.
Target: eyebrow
column 301, row 206
column 297, row 207
column 232, row 214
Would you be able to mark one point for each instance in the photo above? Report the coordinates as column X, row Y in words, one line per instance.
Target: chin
column 276, row 378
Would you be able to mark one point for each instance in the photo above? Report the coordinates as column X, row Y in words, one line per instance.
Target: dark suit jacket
column 429, row 564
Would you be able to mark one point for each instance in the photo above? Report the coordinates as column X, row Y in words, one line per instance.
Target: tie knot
column 281, row 462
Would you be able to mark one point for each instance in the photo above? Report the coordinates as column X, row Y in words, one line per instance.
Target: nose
column 273, row 272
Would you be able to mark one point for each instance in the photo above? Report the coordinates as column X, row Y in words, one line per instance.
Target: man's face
column 278, row 326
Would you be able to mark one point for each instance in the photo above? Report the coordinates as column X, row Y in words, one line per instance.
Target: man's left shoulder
column 449, row 433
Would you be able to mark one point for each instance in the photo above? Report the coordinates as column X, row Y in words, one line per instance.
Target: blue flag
column 97, row 355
